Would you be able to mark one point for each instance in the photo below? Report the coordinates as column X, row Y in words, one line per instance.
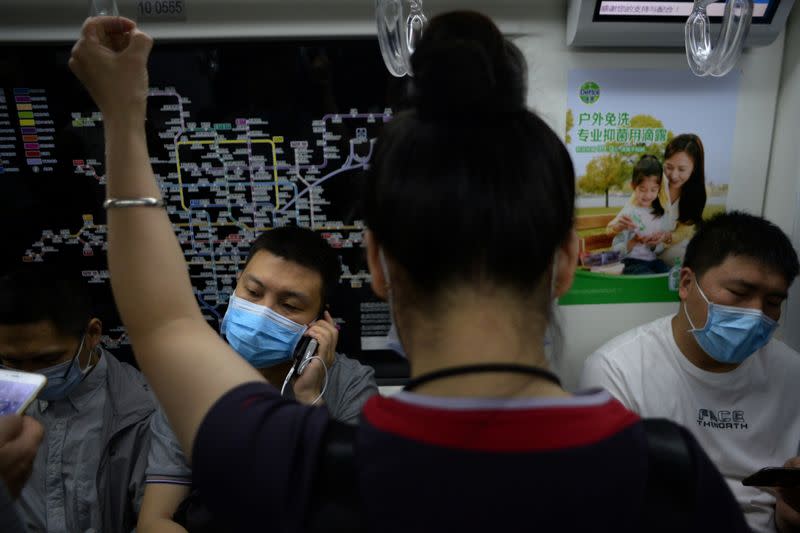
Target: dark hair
column 39, row 293
column 469, row 186
column 741, row 234
column 693, row 192
column 647, row 166
column 304, row 247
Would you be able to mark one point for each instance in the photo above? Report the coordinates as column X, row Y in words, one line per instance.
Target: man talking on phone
column 279, row 299
column 714, row 366
column 88, row 474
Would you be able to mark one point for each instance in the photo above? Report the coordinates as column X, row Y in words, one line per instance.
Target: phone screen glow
column 13, row 394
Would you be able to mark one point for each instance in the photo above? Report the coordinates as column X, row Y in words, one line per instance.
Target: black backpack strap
column 193, row 515
column 335, row 501
column 670, row 493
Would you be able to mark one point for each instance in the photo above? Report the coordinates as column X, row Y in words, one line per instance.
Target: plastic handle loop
column 705, row 59
column 399, row 34
column 416, row 25
column 103, row 8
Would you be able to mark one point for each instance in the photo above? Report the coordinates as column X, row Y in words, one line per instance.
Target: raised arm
column 185, row 361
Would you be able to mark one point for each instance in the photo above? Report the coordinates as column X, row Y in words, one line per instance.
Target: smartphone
column 305, row 350
column 774, row 477
column 18, row 390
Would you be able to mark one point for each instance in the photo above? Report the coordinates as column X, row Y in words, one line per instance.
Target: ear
column 379, row 284
column 687, row 277
column 566, row 263
column 94, row 330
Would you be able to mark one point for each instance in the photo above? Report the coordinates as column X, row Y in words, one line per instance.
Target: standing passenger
column 470, row 203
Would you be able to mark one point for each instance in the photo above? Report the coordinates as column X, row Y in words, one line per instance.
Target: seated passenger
column 288, row 274
column 89, row 471
column 470, row 202
column 714, row 367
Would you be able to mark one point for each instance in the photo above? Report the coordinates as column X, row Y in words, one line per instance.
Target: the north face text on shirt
column 721, row 419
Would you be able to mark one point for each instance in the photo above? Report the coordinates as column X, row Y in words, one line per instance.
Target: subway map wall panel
column 243, row 137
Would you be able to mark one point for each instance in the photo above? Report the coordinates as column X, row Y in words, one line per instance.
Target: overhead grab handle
column 398, row 33
column 717, row 60
column 103, row 8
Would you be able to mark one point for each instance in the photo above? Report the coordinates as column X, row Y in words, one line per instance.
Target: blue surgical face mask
column 259, row 334
column 732, row 334
column 63, row 377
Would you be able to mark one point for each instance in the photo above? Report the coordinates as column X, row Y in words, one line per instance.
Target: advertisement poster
column 652, row 153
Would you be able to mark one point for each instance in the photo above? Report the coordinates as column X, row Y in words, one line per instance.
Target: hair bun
column 463, row 66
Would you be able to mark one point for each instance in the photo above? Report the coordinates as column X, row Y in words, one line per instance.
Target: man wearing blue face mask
column 88, row 474
column 714, row 366
column 279, row 299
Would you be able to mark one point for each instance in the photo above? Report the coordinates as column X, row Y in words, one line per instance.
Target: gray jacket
column 126, row 442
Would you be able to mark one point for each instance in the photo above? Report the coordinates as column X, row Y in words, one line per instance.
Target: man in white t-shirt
column 714, row 368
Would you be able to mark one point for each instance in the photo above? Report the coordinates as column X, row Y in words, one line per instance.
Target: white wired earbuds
column 300, row 370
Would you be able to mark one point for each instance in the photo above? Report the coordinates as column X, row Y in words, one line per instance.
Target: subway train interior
column 268, row 115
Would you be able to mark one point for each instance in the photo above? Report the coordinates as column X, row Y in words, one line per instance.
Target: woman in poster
column 683, row 195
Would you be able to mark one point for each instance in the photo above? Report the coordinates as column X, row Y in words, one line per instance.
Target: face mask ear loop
column 686, row 311
column 385, row 269
column 95, row 354
column 554, row 278
column 74, row 359
column 701, row 292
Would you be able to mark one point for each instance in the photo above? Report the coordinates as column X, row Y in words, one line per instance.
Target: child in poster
column 639, row 228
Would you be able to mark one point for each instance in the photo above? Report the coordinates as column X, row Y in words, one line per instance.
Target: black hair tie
column 483, row 369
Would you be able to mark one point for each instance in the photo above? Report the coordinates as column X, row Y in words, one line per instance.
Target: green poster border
column 595, row 288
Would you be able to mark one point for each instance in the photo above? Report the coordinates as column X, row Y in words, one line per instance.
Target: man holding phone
column 95, row 410
column 788, row 501
column 714, row 367
column 279, row 300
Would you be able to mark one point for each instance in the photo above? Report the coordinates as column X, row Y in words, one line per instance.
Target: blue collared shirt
column 61, row 495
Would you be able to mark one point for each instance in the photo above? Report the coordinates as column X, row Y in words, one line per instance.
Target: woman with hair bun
column 469, row 203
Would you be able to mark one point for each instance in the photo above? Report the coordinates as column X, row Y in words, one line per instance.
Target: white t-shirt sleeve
column 600, row 371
